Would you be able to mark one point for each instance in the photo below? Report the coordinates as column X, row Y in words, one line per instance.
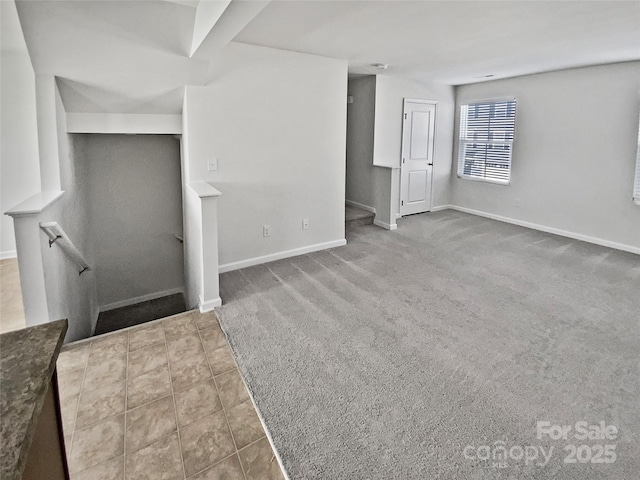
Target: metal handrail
column 57, row 235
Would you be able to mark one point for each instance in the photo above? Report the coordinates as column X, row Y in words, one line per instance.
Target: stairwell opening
column 134, row 192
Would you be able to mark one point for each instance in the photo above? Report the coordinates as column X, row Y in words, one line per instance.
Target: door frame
column 433, row 153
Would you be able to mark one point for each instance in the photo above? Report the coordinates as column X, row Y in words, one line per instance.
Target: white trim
column 555, row 231
column 207, row 306
column 140, row 299
column 398, row 216
column 507, row 98
column 204, row 189
column 35, row 203
column 387, row 226
column 7, row 254
column 124, row 123
column 360, row 205
column 250, row 262
column 439, row 208
column 418, row 100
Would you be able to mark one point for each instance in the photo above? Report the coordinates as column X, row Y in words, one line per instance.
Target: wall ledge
column 35, row 204
column 204, row 189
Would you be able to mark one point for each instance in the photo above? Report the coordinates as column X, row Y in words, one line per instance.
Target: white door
column 417, row 156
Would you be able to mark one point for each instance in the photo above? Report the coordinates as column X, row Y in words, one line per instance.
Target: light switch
column 212, row 164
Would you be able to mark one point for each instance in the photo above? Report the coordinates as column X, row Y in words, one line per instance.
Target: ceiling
column 454, row 42
column 134, row 56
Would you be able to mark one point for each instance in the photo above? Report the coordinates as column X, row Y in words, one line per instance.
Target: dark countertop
column 27, row 362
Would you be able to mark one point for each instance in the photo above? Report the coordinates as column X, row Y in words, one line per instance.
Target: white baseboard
column 207, row 306
column 250, row 262
column 387, row 226
column 555, row 231
column 142, row 298
column 441, row 207
column 8, row 254
column 360, row 205
column 398, row 216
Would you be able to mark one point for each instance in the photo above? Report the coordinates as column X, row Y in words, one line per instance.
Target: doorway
column 416, row 172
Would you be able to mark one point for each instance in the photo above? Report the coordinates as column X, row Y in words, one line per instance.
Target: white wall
column 276, row 122
column 19, row 165
column 69, row 295
column 574, row 153
column 135, row 211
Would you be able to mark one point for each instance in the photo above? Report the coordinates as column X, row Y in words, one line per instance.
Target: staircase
column 354, row 216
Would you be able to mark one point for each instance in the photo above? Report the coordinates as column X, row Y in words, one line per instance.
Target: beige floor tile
column 221, row 360
column 105, row 372
column 205, row 442
column 68, row 409
column 97, row 444
column 179, row 326
column 231, row 389
column 212, row 339
column 73, row 359
column 148, row 387
column 146, row 336
column 182, row 347
column 207, row 320
column 196, row 402
column 110, row 470
column 100, row 403
column 11, row 306
column 147, row 359
column 244, row 423
column 159, row 461
column 70, row 383
column 190, row 370
column 228, row 469
column 149, row 423
column 108, row 346
column 259, row 462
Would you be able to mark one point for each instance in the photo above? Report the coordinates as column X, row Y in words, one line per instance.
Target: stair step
column 355, row 216
column 143, row 312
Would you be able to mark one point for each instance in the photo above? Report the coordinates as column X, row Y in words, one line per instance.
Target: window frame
column 462, row 141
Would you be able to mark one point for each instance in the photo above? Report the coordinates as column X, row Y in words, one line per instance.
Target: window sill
column 485, row 180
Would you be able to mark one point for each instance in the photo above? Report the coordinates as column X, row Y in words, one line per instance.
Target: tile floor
column 11, row 311
column 163, row 400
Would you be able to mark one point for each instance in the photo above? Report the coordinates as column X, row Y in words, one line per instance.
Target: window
column 636, row 183
column 486, row 140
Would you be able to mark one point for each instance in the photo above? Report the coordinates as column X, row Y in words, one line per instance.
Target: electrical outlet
column 517, row 202
column 266, row 230
column 212, row 164
column 305, row 224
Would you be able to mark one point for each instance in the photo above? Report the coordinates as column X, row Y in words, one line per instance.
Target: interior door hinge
column 405, row 116
column 402, row 203
column 403, row 160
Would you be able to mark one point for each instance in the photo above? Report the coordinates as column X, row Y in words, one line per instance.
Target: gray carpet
column 385, row 358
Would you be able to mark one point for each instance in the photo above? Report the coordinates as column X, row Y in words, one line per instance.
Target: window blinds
column 486, row 140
